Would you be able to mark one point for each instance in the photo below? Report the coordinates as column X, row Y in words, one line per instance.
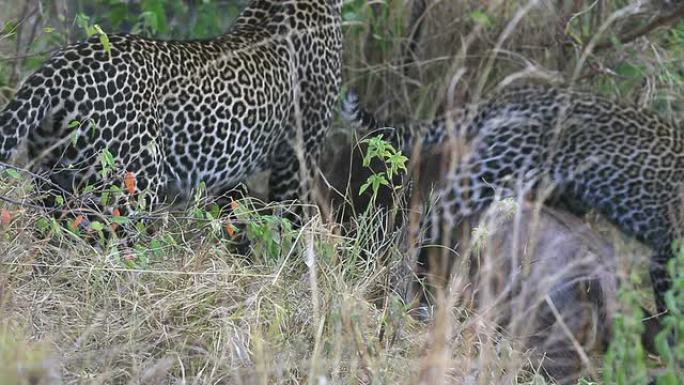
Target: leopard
column 622, row 161
column 175, row 115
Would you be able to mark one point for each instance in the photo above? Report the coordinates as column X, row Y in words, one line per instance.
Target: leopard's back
column 177, row 113
column 623, row 161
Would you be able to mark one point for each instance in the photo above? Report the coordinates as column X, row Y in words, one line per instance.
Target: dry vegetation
column 324, row 304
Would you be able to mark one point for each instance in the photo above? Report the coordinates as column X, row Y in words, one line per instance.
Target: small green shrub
column 670, row 340
column 394, row 160
column 625, row 361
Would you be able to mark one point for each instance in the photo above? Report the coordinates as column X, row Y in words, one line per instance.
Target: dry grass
column 331, row 308
column 199, row 314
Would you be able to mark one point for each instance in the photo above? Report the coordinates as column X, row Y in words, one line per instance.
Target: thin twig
column 656, row 23
column 18, row 203
column 27, row 56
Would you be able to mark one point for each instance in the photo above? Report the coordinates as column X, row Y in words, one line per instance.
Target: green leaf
column 629, row 71
column 42, row 225
column 120, row 220
column 93, row 127
column 12, row 173
column 364, row 187
column 10, row 28
column 156, row 248
column 109, row 158
column 215, row 210
column 104, row 198
column 169, row 240
column 104, row 39
column 397, row 162
column 481, row 18
column 106, row 162
column 97, row 226
column 116, row 190
column 198, row 214
column 83, row 22
column 55, row 226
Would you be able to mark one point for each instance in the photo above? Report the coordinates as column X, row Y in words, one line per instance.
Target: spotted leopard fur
column 403, row 136
column 177, row 113
column 624, row 162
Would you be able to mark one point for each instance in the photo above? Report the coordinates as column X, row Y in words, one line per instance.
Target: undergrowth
column 313, row 304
